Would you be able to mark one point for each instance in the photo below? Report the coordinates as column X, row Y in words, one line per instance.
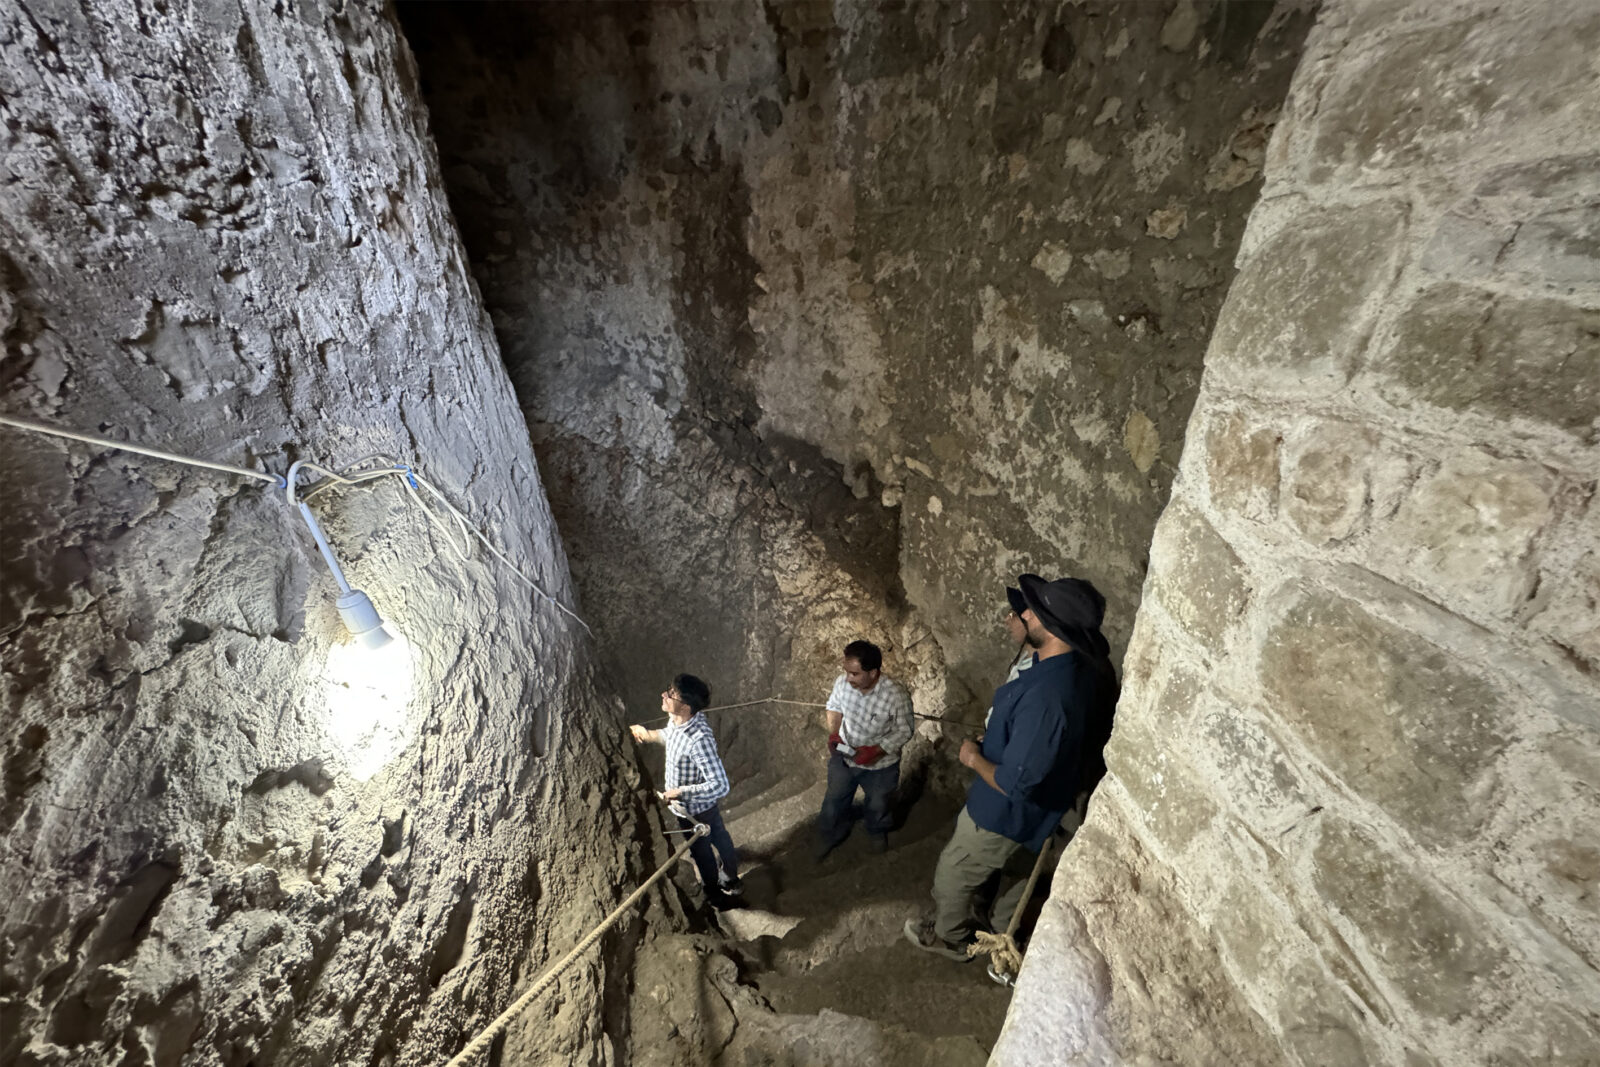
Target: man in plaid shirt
column 695, row 782
column 869, row 721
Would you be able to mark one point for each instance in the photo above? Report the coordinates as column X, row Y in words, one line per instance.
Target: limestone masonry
column 1357, row 750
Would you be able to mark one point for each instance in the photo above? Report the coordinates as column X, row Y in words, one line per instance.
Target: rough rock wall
column 601, row 160
column 1026, row 216
column 804, row 301
column 226, row 840
column 1356, row 774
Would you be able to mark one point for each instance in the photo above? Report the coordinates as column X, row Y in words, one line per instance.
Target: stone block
column 1325, row 488
column 1261, row 785
column 1467, row 532
column 1302, row 306
column 1483, row 76
column 1547, row 1035
column 1403, row 722
column 1557, row 178
column 1466, row 247
column 1196, row 575
column 1464, row 349
column 1173, row 801
column 1429, row 946
column 1242, row 466
column 1549, row 856
column 1571, row 616
column 1246, row 931
column 1045, row 1028
column 1171, row 998
column 1558, row 249
column 1319, row 1026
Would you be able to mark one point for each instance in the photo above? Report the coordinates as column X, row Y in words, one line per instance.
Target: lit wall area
column 231, row 833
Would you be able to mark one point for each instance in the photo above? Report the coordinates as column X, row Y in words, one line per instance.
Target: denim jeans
column 718, row 839
column 876, row 785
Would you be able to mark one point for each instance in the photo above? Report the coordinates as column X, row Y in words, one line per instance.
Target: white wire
column 124, row 446
column 463, row 527
column 290, row 485
column 352, row 476
column 490, row 545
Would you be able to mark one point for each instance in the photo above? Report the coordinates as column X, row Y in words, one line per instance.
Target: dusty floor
column 820, row 972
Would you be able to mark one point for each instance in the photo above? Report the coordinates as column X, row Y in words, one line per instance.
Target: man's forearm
column 835, row 721
column 972, row 757
column 986, row 771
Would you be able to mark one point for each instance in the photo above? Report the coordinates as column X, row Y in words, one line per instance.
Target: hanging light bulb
column 355, row 607
column 368, row 695
column 362, row 620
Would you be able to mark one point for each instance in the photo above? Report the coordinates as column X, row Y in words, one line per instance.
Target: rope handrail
column 1005, row 956
column 481, row 1043
column 804, row 704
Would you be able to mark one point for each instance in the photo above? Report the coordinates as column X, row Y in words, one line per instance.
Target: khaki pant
column 973, row 856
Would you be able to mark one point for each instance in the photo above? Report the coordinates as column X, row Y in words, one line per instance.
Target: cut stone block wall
column 1357, row 762
column 224, row 841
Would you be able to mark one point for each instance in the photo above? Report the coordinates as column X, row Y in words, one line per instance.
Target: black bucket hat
column 1015, row 598
column 1070, row 608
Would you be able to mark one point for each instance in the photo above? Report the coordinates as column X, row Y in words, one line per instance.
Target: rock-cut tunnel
column 580, row 346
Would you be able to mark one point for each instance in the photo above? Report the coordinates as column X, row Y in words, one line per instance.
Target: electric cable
column 290, row 485
column 125, row 446
column 412, row 481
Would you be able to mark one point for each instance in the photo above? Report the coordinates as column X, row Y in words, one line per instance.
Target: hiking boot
column 729, row 883
column 920, row 934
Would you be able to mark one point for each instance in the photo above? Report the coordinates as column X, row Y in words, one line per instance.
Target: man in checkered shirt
column 869, row 721
column 695, row 782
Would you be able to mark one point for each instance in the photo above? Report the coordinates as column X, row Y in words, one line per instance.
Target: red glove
column 833, row 743
column 867, row 755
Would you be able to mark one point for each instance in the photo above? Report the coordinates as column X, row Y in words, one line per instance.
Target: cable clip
column 411, row 479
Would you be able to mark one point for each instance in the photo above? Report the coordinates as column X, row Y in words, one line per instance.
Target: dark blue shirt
column 1036, row 738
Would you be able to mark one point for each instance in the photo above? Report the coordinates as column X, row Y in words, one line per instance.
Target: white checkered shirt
column 694, row 766
column 880, row 716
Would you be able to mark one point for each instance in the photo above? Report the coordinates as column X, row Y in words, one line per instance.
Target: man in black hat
column 1030, row 761
column 1017, row 632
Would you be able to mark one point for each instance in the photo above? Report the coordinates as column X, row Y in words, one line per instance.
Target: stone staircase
column 815, row 971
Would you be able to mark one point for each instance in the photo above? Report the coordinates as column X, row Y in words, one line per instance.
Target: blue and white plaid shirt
column 881, row 716
column 693, row 766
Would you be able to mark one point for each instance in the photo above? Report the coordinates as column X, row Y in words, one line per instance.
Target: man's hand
column 867, row 755
column 972, row 757
column 671, row 794
column 639, row 733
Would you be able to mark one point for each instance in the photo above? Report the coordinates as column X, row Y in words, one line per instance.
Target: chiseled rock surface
column 1356, row 769
column 225, row 839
